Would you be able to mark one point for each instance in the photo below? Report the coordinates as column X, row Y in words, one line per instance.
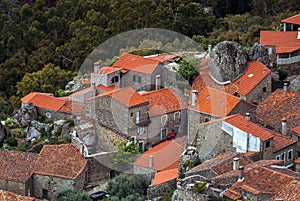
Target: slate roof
column 255, row 73
column 165, row 176
column 9, row 196
column 16, row 165
column 63, row 161
column 166, row 156
column 279, row 105
column 260, row 180
column 136, row 63
column 164, row 101
column 215, row 102
column 285, row 42
column 295, row 19
column 42, row 100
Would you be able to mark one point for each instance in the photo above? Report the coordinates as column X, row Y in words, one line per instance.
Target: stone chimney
column 194, row 97
column 236, row 163
column 285, row 87
column 157, row 82
column 209, row 48
column 241, row 174
column 96, row 66
column 283, row 126
column 151, row 161
column 298, row 33
column 247, row 116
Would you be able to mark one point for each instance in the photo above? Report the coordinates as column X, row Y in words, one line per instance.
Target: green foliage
column 127, row 187
column 282, row 74
column 21, row 147
column 18, row 132
column 191, row 163
column 168, row 196
column 70, row 122
column 62, row 92
column 5, row 146
column 130, row 147
column 12, row 123
column 11, row 141
column 200, row 188
column 186, row 70
column 44, row 119
column 298, row 88
column 71, row 195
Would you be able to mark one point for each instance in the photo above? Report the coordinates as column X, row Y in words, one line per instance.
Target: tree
column 186, row 70
column 71, row 195
column 127, row 188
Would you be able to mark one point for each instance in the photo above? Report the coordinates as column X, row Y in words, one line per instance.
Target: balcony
column 291, row 60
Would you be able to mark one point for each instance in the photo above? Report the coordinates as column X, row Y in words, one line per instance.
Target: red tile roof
column 297, row 130
column 292, row 20
column 285, row 42
column 108, row 70
column 166, row 156
column 163, row 57
column 107, row 89
column 297, row 160
column 259, row 180
column 254, row 74
column 255, row 130
column 45, row 101
column 127, row 96
column 16, row 166
column 81, row 92
column 136, row 63
column 62, row 161
column 215, row 102
column 9, row 196
column 279, row 105
column 165, row 176
column 72, row 107
column 280, row 142
column 290, row 192
column 164, row 101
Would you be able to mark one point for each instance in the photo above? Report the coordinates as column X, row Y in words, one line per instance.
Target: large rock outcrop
column 228, row 61
column 26, row 114
column 259, row 52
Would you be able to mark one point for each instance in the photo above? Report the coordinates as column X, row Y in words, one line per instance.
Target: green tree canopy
column 71, row 195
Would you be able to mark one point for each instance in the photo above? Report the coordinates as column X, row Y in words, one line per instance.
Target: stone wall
column 147, row 173
column 15, row 187
column 127, row 80
column 160, row 190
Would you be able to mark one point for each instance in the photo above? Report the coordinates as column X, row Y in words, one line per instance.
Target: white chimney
column 247, row 116
column 194, row 97
column 283, row 126
column 241, row 174
column 151, row 160
column 157, row 82
column 236, row 163
column 209, row 48
column 285, row 87
column 96, row 66
column 298, row 33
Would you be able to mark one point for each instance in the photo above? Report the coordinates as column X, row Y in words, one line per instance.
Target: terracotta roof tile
column 136, row 63
column 16, row 165
column 254, row 74
column 165, row 176
column 239, row 122
column 127, row 96
column 297, row 160
column 285, row 42
column 260, row 180
column 292, row 20
column 164, row 58
column 164, row 101
column 83, row 91
column 45, row 101
column 9, row 196
column 290, row 192
column 108, row 70
column 281, row 142
column 72, row 107
column 62, row 161
column 166, row 156
column 279, row 105
column 107, row 89
column 297, row 130
column 215, row 102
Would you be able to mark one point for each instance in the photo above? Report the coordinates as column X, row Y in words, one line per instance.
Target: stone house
column 284, row 45
column 58, row 167
column 296, row 136
column 16, row 171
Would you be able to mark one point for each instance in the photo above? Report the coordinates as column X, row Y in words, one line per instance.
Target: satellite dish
column 48, row 115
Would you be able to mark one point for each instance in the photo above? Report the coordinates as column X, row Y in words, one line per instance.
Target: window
column 136, row 78
column 45, row 194
column 133, row 139
column 283, row 156
column 164, row 119
column 137, row 117
column 141, row 130
column 206, row 120
column 163, row 133
column 131, row 114
column 267, row 144
column 115, row 79
column 141, row 145
column 278, row 157
column 265, row 89
column 176, row 129
column 290, row 154
column 177, row 115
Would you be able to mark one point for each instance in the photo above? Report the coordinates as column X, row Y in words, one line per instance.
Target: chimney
column 241, row 174
column 283, row 126
column 236, row 163
column 209, row 48
column 157, row 82
column 93, row 86
column 285, row 87
column 298, row 33
column 96, row 66
column 151, row 160
column 247, row 116
column 194, row 97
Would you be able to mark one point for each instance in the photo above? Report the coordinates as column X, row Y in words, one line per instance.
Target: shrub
column 11, row 141
column 12, row 123
column 19, row 133
column 5, row 146
column 70, row 122
column 21, row 147
column 200, row 188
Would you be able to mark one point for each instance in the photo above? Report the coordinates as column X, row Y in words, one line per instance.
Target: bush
column 19, row 133
column 282, row 74
column 200, row 188
column 5, row 146
column 70, row 122
column 11, row 141
column 12, row 123
column 21, row 147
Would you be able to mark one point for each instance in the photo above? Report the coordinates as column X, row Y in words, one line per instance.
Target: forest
column 44, row 42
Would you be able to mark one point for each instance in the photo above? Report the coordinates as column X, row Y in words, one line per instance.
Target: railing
column 284, row 61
